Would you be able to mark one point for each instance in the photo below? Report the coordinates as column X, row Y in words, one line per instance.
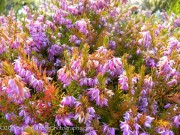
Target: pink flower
column 88, row 82
column 68, row 101
column 18, row 94
column 81, row 25
column 94, row 94
column 113, row 66
column 64, row 77
column 123, row 81
column 108, row 130
column 165, row 67
column 164, row 131
column 148, row 121
column 146, row 39
column 17, row 130
column 126, row 128
column 176, row 120
column 63, row 120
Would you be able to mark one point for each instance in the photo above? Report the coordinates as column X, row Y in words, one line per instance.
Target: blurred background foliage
column 16, row 5
column 174, row 7
column 171, row 6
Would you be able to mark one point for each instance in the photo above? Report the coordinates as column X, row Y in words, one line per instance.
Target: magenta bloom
column 53, row 51
column 126, row 128
column 88, row 82
column 81, row 25
column 133, row 129
column 92, row 132
column 26, row 116
column 3, row 46
column 68, row 101
column 38, row 35
column 167, row 105
column 10, row 116
column 94, row 94
column 164, row 131
column 41, row 128
column 148, row 121
column 165, row 67
column 63, row 120
column 91, row 112
column 142, row 104
column 108, row 130
column 17, row 130
column 27, row 76
column 73, row 38
column 150, row 62
column 177, row 22
column 112, row 44
column 15, row 45
column 173, row 45
column 146, row 39
column 123, row 81
column 101, row 51
column 64, row 77
column 172, row 82
column 114, row 67
column 16, row 93
column 176, row 120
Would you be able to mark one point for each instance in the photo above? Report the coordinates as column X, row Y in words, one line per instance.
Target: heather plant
column 89, row 67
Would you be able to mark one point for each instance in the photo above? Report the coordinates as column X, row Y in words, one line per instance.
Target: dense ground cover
column 90, row 67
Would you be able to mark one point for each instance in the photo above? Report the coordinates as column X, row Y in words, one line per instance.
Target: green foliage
column 174, row 7
column 155, row 5
column 171, row 6
column 4, row 125
column 16, row 5
column 2, row 5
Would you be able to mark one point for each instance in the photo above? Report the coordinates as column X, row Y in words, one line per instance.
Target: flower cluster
column 133, row 124
column 16, row 91
column 27, row 76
